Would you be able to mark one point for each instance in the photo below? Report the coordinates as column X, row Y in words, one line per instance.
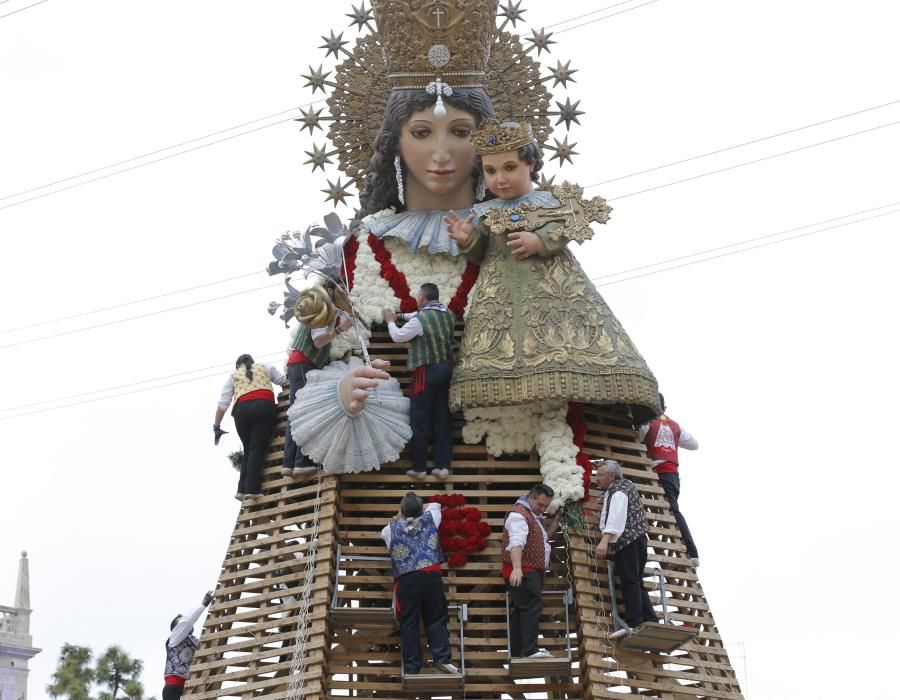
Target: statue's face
column 438, row 156
column 506, row 175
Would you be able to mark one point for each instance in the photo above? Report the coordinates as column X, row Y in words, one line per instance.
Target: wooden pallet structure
column 326, row 530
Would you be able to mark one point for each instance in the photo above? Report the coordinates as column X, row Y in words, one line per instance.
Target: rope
column 297, row 683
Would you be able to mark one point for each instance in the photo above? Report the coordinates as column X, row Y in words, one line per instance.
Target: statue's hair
column 380, row 190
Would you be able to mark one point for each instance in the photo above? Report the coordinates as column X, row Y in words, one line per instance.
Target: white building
column 15, row 640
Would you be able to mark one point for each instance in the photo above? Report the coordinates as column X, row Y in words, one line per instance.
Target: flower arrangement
column 575, row 419
column 462, row 531
column 236, row 458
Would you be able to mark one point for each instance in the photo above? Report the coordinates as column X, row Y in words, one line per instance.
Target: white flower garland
column 444, row 270
column 519, row 429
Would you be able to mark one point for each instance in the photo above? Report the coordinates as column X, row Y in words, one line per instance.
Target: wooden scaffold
column 302, row 605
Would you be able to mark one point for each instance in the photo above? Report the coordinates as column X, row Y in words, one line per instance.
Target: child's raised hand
column 460, row 230
column 524, row 244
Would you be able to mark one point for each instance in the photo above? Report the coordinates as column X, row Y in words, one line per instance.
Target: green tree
column 74, row 675
column 117, row 673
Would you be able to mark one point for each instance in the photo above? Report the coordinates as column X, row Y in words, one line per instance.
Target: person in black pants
column 250, row 385
column 416, row 556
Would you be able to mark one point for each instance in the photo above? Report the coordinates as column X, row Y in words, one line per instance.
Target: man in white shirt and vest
column 429, row 333
column 416, row 555
column 180, row 648
column 526, row 555
column 624, row 525
column 663, row 437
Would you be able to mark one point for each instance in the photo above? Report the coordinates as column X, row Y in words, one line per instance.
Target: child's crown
column 494, row 136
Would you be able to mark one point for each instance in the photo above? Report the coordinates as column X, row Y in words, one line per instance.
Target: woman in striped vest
column 250, row 385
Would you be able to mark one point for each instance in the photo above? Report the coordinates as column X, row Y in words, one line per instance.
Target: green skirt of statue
column 538, row 330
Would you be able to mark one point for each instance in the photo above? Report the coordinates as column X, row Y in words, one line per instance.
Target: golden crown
column 494, row 136
column 428, row 40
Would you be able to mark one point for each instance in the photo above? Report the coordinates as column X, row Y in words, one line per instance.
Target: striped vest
column 414, row 548
column 243, row 385
column 436, row 342
column 636, row 524
column 304, row 343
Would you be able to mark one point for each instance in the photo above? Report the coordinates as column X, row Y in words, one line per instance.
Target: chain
column 297, row 683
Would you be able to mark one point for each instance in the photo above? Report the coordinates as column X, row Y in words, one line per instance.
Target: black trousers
column 429, row 411
column 672, row 486
column 293, row 457
column 525, row 607
column 255, row 423
column 421, row 596
column 630, row 562
column 171, row 692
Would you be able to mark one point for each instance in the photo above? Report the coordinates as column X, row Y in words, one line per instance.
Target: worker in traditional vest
column 429, row 333
column 311, row 349
column 180, row 648
column 663, row 437
column 624, row 525
column 250, row 385
column 526, row 555
column 416, row 555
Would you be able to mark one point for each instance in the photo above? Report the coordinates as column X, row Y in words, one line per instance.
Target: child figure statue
column 537, row 329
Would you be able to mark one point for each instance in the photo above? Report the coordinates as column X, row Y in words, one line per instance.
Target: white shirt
column 614, row 515
column 433, row 508
column 184, row 627
column 517, row 527
column 685, row 440
column 228, row 390
column 410, row 329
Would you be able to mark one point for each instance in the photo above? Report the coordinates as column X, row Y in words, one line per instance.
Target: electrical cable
column 600, row 19
column 22, row 9
column 744, row 250
column 740, row 243
column 749, row 162
column 588, row 14
column 748, row 143
column 130, row 303
column 133, row 318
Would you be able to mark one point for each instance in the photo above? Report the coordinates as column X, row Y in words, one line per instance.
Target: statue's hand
column 460, row 230
column 356, row 383
column 524, row 244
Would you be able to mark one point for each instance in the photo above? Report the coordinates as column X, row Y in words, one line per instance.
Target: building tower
column 15, row 639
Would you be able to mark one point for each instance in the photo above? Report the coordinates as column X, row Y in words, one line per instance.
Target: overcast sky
column 780, row 360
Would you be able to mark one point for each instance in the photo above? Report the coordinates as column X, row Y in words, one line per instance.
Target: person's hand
column 218, row 432
column 460, row 230
column 388, row 315
column 602, row 549
column 344, row 324
column 208, row 598
column 355, row 385
column 515, row 578
column 524, row 244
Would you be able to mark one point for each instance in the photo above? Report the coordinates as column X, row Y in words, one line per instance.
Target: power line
column 655, row 272
column 749, row 162
column 219, row 367
column 141, row 165
column 130, row 303
column 748, row 143
column 744, row 250
column 600, row 19
column 22, row 9
column 588, row 14
column 153, row 153
column 739, row 243
column 132, row 318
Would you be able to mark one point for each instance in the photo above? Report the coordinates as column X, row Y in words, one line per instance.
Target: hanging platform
column 548, row 666
column 439, row 681
column 658, row 637
column 358, row 614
